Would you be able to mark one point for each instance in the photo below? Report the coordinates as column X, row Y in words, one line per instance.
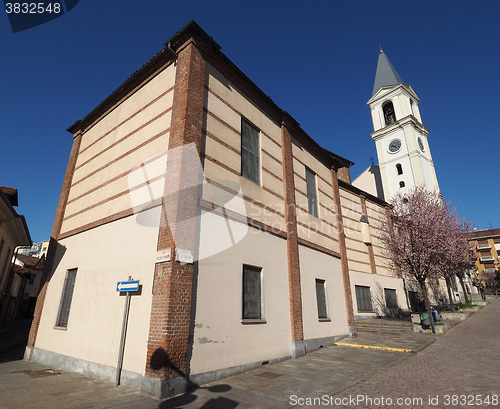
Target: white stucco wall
column 221, row 340
column 103, row 256
column 316, row 265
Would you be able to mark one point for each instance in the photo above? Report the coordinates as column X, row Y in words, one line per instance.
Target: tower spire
column 386, row 73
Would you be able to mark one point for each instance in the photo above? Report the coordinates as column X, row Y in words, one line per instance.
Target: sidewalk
column 451, row 363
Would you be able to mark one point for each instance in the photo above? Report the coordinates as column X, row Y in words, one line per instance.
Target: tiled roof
column 386, row 73
column 28, row 261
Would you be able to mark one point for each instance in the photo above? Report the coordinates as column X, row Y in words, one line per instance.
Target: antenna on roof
column 380, row 46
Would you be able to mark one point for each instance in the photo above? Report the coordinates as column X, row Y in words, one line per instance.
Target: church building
column 400, row 137
column 241, row 241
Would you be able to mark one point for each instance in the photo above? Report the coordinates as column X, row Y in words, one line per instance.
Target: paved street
column 463, row 361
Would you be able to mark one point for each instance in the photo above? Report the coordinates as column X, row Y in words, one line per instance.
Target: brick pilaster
column 294, row 287
column 343, row 252
column 171, row 309
column 371, row 255
column 56, row 230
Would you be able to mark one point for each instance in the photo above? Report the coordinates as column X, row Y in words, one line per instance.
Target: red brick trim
column 343, row 251
column 242, row 219
column 238, row 112
column 174, row 284
column 371, row 255
column 115, row 196
column 158, row 135
column 235, row 172
column 110, row 181
column 319, row 248
column 294, row 286
column 127, row 119
column 108, row 219
column 144, row 125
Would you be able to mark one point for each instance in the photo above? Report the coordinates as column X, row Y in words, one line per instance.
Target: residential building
column 13, row 232
column 486, row 244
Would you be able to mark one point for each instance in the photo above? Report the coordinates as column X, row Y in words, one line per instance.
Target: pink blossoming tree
column 425, row 238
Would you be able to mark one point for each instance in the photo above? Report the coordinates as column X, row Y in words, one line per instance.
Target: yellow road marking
column 373, row 347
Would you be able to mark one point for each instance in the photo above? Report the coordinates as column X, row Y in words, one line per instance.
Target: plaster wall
column 103, row 256
column 221, row 339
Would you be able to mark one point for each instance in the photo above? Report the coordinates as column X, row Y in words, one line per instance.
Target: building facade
column 486, row 244
column 13, row 232
column 247, row 238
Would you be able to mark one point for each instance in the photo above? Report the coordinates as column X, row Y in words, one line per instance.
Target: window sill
column 324, row 319
column 60, row 328
column 247, row 321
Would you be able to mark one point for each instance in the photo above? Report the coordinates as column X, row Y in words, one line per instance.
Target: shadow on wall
column 384, row 307
column 160, row 360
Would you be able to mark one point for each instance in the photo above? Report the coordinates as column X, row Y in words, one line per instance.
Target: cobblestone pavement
column 465, row 361
column 460, row 370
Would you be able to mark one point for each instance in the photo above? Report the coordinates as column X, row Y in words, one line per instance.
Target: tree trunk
column 461, row 279
column 450, row 297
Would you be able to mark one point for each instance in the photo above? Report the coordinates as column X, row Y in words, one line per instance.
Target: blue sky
column 315, row 59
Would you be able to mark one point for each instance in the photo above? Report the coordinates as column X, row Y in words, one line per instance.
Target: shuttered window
column 250, row 152
column 312, row 195
column 66, row 297
column 364, row 299
column 252, row 292
column 321, row 299
column 391, row 300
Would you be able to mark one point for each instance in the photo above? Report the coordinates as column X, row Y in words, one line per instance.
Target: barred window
column 66, row 298
column 364, row 299
column 250, row 152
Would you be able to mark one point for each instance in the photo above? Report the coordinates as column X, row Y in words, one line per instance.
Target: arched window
column 389, row 115
column 399, row 168
column 401, row 184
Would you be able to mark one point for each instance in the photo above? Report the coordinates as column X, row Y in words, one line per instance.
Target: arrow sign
column 127, row 286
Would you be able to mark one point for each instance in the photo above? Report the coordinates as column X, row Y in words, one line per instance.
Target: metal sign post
column 124, row 286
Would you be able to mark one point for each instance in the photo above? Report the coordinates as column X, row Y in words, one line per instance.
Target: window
column 389, row 115
column 401, row 184
column 363, row 298
column 321, row 299
column 312, row 196
column 66, row 297
column 391, row 300
column 399, row 168
column 252, row 293
column 250, row 152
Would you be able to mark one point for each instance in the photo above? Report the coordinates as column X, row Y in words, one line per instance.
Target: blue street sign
column 127, row 286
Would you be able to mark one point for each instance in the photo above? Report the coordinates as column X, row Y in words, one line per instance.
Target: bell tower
column 403, row 150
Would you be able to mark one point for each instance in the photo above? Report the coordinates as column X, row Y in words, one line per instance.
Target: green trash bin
column 424, row 319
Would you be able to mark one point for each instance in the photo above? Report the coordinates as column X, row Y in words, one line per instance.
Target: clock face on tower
column 420, row 144
column 395, row 145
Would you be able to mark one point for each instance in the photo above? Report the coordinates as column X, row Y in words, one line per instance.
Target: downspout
column 169, row 48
